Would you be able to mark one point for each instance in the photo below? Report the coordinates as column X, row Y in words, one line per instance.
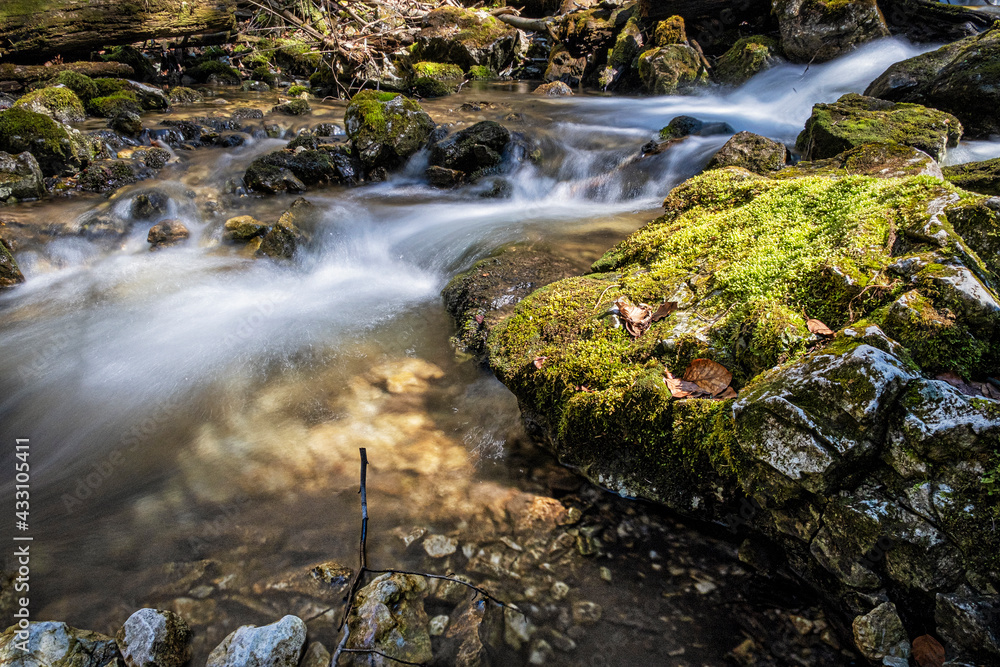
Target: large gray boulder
column 20, row 177
column 958, row 78
column 54, row 644
column 817, row 31
column 276, row 645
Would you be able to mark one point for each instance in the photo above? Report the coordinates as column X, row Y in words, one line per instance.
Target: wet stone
column 167, row 233
column 154, row 638
column 54, row 643
column 439, row 546
column 276, row 645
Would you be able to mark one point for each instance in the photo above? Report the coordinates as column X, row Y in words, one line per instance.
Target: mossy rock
column 243, row 228
column 747, row 57
column 819, row 30
column 670, row 70
column 263, row 74
column 298, row 91
column 744, row 257
column 81, row 84
column 58, row 150
column 621, row 69
column 386, row 128
column 751, row 152
column 20, row 177
column 116, row 104
column 110, row 175
column 482, row 73
column 10, row 272
column 670, row 31
column 489, row 290
column 218, row 72
column 424, row 87
column 446, row 72
column 854, row 120
column 466, row 37
column 957, row 78
column 829, row 436
column 182, row 95
column 685, row 126
column 293, row 108
column 883, row 160
column 58, row 102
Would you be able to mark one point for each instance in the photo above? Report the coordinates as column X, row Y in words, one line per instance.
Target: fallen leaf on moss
column 729, row 392
column 818, row 328
column 584, row 388
column 682, row 388
column 539, row 361
column 664, row 310
column 635, row 318
column 928, row 652
column 710, row 375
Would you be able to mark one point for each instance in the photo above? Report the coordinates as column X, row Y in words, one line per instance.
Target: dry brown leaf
column 635, row 318
column 729, row 392
column 928, row 651
column 818, row 328
column 540, row 361
column 711, row 376
column 681, row 388
column 664, row 310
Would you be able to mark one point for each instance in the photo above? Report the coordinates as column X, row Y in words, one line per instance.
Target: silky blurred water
column 159, row 387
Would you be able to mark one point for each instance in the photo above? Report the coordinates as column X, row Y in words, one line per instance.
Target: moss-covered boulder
column 58, row 149
column 982, row 177
column 553, row 89
column 854, row 120
column 747, row 57
column 959, row 78
column 109, row 175
column 242, row 228
column 466, row 37
column 819, row 30
column 672, row 69
column 474, row 151
column 10, row 272
column 295, row 170
column 447, row 72
column 183, row 95
column 836, row 439
column 293, row 108
column 214, row 72
column 621, row 71
column 385, row 129
column 670, row 31
column 20, row 177
column 81, row 84
column 119, row 96
column 58, row 102
column 751, row 152
column 888, row 160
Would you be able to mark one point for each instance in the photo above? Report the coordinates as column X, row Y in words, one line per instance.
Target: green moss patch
column 749, row 260
column 59, row 102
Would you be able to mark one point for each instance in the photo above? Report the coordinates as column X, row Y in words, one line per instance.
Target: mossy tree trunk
column 37, row 29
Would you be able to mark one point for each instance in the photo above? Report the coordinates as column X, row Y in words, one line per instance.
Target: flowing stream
column 195, row 415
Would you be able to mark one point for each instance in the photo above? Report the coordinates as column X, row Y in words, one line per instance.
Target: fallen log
column 33, row 31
